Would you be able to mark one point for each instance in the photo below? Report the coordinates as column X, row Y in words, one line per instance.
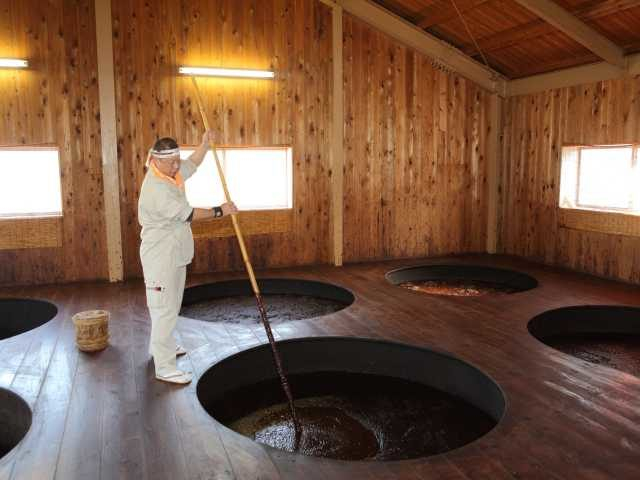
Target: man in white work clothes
column 167, row 245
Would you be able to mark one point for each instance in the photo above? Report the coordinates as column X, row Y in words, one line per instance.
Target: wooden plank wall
column 535, row 128
column 415, row 152
column 291, row 37
column 415, row 136
column 56, row 102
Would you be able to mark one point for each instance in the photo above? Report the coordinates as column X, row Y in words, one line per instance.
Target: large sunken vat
column 285, row 300
column 15, row 420
column 19, row 315
column 356, row 398
column 460, row 280
column 606, row 335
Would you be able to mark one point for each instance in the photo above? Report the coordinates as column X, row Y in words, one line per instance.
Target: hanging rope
column 484, row 59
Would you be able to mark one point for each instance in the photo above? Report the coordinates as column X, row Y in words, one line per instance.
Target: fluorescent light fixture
column 225, row 72
column 13, row 63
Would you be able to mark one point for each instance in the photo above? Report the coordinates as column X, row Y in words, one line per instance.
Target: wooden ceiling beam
column 537, row 28
column 423, row 42
column 578, row 30
column 595, row 72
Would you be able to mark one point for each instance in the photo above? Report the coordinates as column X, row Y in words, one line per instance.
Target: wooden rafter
column 397, row 7
column 575, row 28
column 442, row 11
column 540, row 27
column 566, row 62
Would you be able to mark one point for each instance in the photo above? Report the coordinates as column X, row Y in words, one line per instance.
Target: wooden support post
column 493, row 161
column 337, row 135
column 110, row 175
column 337, row 140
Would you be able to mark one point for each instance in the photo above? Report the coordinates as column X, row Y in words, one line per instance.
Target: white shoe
column 180, row 351
column 178, row 376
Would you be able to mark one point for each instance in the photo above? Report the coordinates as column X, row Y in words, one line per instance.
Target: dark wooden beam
column 632, row 47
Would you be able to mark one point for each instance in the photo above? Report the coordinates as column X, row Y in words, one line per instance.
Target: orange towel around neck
column 177, row 181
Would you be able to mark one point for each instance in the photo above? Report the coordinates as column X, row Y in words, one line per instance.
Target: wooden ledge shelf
column 30, row 232
column 252, row 222
column 604, row 222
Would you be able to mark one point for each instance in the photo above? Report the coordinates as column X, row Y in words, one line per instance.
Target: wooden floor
column 104, row 416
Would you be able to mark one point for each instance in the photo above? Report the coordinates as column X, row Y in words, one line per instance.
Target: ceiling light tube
column 13, row 63
column 225, row 72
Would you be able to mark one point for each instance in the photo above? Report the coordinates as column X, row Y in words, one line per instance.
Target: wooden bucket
column 92, row 330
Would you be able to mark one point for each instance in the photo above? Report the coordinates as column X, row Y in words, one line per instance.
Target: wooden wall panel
column 415, row 136
column 291, row 37
column 535, row 128
column 415, row 153
column 55, row 102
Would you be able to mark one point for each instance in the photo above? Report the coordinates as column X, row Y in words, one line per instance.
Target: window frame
column 36, row 215
column 286, row 147
column 634, row 200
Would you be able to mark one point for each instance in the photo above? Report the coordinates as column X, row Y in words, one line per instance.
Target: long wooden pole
column 234, row 216
column 252, row 277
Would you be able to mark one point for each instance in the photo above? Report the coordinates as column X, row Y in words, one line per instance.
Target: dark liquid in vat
column 353, row 416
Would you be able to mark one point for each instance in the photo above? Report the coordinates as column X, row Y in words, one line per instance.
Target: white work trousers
column 164, row 299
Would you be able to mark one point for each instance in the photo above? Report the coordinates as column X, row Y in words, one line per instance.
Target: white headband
column 161, row 154
column 165, row 153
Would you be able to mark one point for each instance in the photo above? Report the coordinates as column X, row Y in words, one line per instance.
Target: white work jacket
column 163, row 213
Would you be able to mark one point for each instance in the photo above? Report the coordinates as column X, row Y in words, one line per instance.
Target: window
column 258, row 178
column 601, row 178
column 30, row 182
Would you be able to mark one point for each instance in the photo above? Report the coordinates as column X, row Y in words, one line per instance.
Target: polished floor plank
column 52, row 406
column 122, row 429
column 81, row 448
column 104, row 416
